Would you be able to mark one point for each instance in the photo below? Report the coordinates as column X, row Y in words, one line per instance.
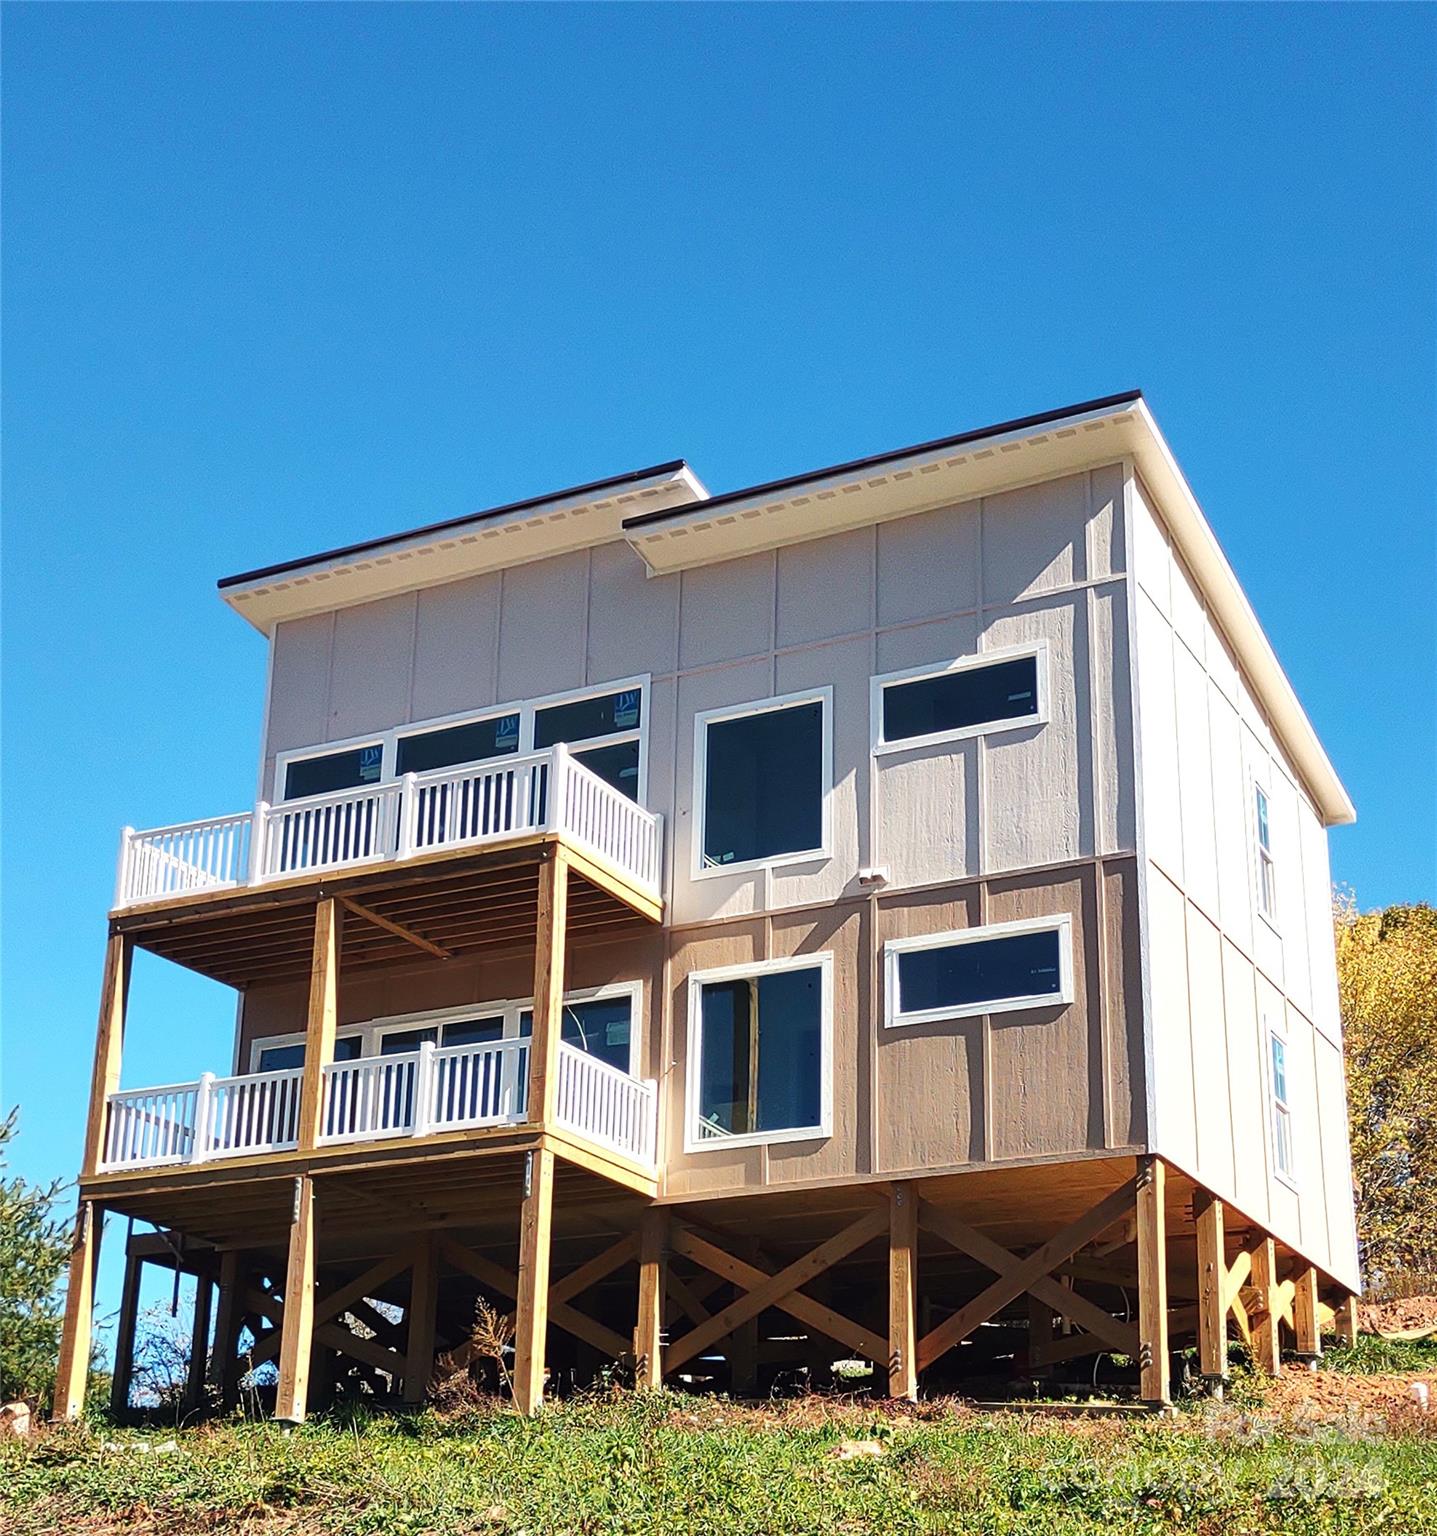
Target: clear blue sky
column 279, row 278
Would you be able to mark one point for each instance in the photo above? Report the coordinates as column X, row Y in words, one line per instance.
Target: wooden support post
column 1212, row 1286
column 653, row 1282
column 902, row 1292
column 73, row 1370
column 1153, row 1281
column 419, row 1325
column 199, row 1343
column 1305, row 1317
column 321, row 1019
column 1266, row 1344
column 531, row 1322
column 297, row 1324
column 1347, row 1320
column 229, row 1315
column 549, row 945
column 124, row 1370
column 109, row 1044
column 1041, row 1322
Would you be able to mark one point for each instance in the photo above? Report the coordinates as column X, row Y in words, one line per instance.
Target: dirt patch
column 1409, row 1315
column 1332, row 1397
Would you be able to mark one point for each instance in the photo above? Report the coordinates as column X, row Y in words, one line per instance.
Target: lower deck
column 1093, row 1270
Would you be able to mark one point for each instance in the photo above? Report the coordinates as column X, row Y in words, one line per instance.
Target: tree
column 1387, row 979
column 34, row 1252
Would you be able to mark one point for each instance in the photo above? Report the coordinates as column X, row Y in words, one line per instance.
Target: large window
column 603, row 727
column 762, row 783
column 995, row 969
column 975, row 694
column 1282, row 1157
column 759, row 1053
column 1262, row 845
column 603, row 1022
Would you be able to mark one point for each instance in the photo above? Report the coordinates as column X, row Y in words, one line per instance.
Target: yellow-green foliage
column 1387, row 976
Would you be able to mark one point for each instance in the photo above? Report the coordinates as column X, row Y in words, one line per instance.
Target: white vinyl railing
column 606, row 1105
column 447, row 808
column 418, row 1093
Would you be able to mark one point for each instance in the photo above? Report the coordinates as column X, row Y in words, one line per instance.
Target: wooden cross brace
column 345, row 1340
column 1032, row 1274
column 763, row 1289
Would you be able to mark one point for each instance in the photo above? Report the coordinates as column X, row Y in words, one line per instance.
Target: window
column 975, row 694
column 763, row 776
column 602, row 1027
column 350, row 769
column 995, row 969
column 759, row 1053
column 604, row 730
column 1266, row 865
column 1282, row 1158
column 275, row 1058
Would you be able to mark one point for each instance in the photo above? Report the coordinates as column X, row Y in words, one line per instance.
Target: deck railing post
column 204, row 1113
column 258, row 835
column 408, row 816
column 558, row 788
column 122, row 866
column 424, row 1090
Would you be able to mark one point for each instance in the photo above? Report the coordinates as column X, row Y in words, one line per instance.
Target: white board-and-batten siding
column 1219, row 975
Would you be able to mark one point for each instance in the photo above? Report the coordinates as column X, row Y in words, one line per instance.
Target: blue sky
column 280, row 278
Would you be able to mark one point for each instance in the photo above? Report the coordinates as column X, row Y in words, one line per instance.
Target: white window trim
column 526, row 709
column 696, row 981
column 372, row 1031
column 1271, row 1032
column 1060, row 923
column 1038, row 649
column 1269, row 916
column 824, row 696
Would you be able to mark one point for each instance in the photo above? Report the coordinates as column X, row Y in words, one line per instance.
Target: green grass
column 677, row 1465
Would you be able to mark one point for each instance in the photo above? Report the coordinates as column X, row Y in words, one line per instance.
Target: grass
column 676, row 1465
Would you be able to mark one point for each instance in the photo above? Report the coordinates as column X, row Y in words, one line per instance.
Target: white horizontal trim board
column 698, row 870
column 1039, row 650
column 895, row 1017
column 696, row 1140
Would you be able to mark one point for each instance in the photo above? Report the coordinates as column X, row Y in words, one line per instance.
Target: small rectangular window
column 617, row 765
column 759, row 1054
column 473, row 742
column 1281, row 1109
column 274, row 1058
column 601, row 1026
column 473, row 1031
column 764, row 776
column 959, row 700
column 350, row 769
column 584, row 719
column 1266, row 864
column 994, row 969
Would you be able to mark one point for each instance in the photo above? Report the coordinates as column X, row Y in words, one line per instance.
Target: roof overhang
column 484, row 541
column 982, row 463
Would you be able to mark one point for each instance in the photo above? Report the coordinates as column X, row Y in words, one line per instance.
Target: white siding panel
column 1309, row 1172
column 928, row 814
column 542, row 626
column 1152, row 561
column 299, row 682
column 1337, row 1168
column 921, row 645
column 1209, row 1051
column 1114, row 779
column 373, row 658
column 1322, row 955
column 1106, row 526
column 1199, row 834
column 633, row 618
column 455, row 645
column 727, row 610
column 1157, row 723
column 824, row 587
column 1247, row 1085
column 928, row 564
column 1230, row 794
column 1034, row 539
column 1176, row 1129
column 1189, row 620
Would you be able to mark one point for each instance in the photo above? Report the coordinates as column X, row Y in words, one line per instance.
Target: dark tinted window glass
column 617, row 765
column 602, row 1028
column 587, row 717
column 764, row 785
column 276, row 1058
column 473, row 1031
column 470, row 743
column 1008, row 690
column 336, row 770
column 399, row 1040
column 762, row 1054
column 985, row 971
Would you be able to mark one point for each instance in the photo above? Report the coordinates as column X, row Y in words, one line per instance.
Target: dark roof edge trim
column 997, row 430
column 672, row 467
